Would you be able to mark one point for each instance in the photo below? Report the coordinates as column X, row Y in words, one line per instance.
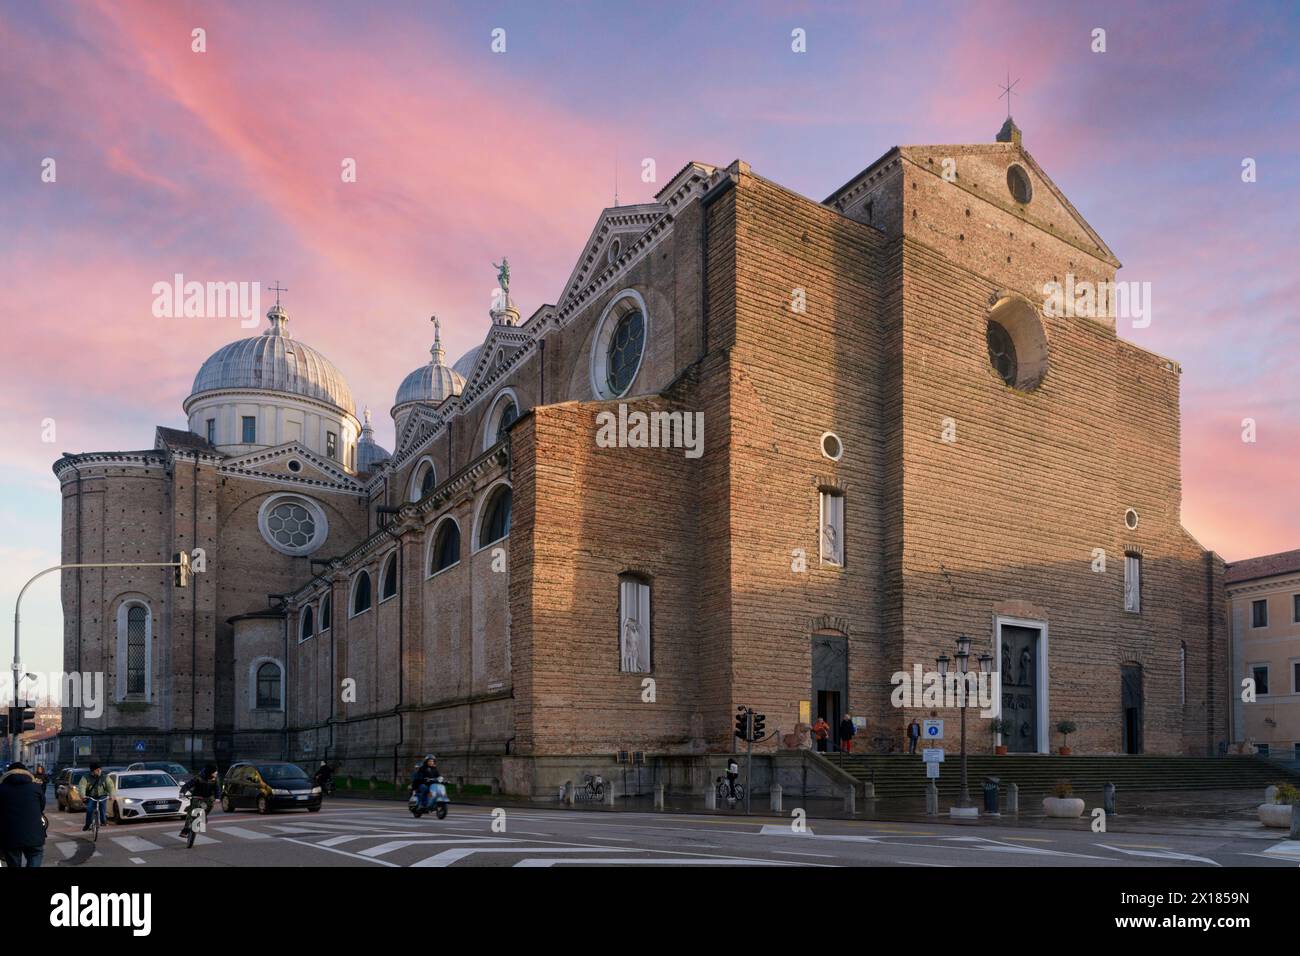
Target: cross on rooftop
column 1006, row 91
column 277, row 290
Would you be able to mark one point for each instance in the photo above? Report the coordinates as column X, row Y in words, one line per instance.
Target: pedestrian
column 821, row 730
column 22, row 804
column 94, row 791
column 913, row 735
column 42, row 778
column 847, row 730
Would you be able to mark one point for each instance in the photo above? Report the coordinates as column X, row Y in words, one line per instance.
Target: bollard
column 850, row 801
column 659, row 796
column 931, row 798
column 1013, row 798
column 711, row 798
column 570, row 794
column 609, row 794
column 991, row 796
column 868, row 791
column 775, row 794
column 1108, row 799
column 1295, row 823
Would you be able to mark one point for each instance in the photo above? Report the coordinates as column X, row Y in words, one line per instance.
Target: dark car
column 66, row 795
column 267, row 786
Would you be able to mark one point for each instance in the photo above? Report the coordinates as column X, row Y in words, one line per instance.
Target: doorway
column 830, row 678
column 1131, row 704
column 1020, row 650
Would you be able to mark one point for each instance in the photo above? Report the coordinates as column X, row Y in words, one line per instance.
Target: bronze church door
column 1020, row 649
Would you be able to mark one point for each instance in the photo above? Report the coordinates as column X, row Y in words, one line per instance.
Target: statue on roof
column 503, row 274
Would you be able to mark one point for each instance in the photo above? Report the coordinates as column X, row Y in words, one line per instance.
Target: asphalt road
column 383, row 833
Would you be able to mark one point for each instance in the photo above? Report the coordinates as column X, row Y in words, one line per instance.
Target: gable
column 273, row 464
column 614, row 232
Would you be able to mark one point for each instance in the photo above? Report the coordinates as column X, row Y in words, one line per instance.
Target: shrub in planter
column 1065, row 728
column 1004, row 726
column 1278, row 813
column 1063, row 803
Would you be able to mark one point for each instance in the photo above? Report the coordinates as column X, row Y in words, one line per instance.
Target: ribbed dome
column 433, row 382
column 465, row 364
column 369, row 453
column 274, row 362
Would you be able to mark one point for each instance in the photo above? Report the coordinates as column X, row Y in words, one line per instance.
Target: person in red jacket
column 821, row 731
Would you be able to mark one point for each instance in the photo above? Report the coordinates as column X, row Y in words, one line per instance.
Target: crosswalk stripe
column 448, row 857
column 349, row 837
column 244, row 833
column 199, row 839
column 639, row 861
column 135, row 844
column 399, row 844
column 67, row 849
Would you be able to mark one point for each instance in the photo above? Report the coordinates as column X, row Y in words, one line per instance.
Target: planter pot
column 1065, row 751
column 1066, row 807
column 1000, row 750
column 1275, row 815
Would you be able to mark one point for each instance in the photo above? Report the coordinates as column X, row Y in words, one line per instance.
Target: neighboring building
column 899, row 445
column 1264, row 615
column 41, row 748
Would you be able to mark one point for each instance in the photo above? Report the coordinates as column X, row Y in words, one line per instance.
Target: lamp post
column 963, row 667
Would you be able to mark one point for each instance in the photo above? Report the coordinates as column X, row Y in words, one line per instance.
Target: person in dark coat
column 22, row 803
column 847, row 730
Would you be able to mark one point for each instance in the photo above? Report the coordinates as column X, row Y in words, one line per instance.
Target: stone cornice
column 66, row 467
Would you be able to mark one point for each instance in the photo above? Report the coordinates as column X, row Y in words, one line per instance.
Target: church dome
column 433, row 382
column 369, row 453
column 274, row 362
column 465, row 364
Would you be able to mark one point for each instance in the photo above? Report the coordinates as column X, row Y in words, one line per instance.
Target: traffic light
column 743, row 725
column 758, row 725
column 182, row 561
column 4, row 725
column 21, row 719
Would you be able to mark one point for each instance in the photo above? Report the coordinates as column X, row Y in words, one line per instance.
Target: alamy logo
column 82, row 690
column 73, row 909
column 179, row 299
column 930, row 689
column 1098, row 300
column 651, row 430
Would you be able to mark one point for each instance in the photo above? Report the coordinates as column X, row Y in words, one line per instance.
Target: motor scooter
column 436, row 800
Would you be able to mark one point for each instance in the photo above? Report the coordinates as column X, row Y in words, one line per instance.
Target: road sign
column 932, row 729
column 932, row 754
column 932, row 770
column 139, row 746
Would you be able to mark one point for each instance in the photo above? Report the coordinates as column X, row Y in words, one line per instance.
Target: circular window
column 295, row 465
column 1130, row 519
column 292, row 525
column 1018, row 182
column 831, row 446
column 619, row 347
column 615, row 248
column 1017, row 344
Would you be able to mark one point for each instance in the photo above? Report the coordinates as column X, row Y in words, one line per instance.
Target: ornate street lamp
column 963, row 667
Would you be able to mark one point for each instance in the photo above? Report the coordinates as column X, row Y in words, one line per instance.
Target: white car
column 138, row 794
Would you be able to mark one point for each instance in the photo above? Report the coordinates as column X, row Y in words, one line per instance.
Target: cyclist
column 425, row 775
column 203, row 787
column 733, row 771
column 324, row 776
column 93, row 788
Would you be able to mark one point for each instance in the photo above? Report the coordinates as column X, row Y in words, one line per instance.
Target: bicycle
column 94, row 817
column 730, row 791
column 196, row 806
column 595, row 786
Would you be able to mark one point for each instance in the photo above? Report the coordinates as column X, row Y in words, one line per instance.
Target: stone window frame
column 389, row 563
column 1024, row 325
column 825, row 492
column 1016, row 171
column 413, row 490
column 306, row 622
column 125, row 603
column 1255, row 602
column 492, row 420
column 480, row 515
column 326, row 615
column 623, row 303
column 352, row 594
column 437, row 529
column 838, row 443
column 1136, row 555
column 311, row 505
column 642, row 580
column 256, row 665
column 1268, row 677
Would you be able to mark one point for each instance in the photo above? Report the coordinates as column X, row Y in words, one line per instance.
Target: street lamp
column 963, row 667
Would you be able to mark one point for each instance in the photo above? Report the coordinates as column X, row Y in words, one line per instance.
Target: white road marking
column 135, row 844
column 919, row 863
column 136, row 859
column 825, row 856
column 242, row 832
column 348, row 838
column 399, row 844
column 1159, row 855
column 775, row 829
column 199, row 839
column 1288, row 849
column 67, row 849
column 636, row 861
column 330, row 849
column 448, row 857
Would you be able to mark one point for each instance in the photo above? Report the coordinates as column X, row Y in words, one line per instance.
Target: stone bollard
column 659, row 796
column 775, row 795
column 931, row 798
column 609, row 794
column 711, row 798
column 868, row 790
column 570, row 794
column 1013, row 798
column 851, row 801
column 1108, row 799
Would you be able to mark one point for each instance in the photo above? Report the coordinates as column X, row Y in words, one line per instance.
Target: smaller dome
column 432, row 383
column 465, row 364
column 369, row 453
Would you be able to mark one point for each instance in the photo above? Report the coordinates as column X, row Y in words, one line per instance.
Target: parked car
column 139, row 794
column 267, row 786
column 177, row 771
column 66, row 795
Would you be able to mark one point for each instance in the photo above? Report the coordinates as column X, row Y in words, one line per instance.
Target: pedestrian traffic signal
column 743, row 725
column 182, row 561
column 758, row 725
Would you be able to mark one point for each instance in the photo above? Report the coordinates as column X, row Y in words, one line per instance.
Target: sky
column 225, row 165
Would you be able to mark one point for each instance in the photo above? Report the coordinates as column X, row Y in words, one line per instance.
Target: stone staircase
column 903, row 775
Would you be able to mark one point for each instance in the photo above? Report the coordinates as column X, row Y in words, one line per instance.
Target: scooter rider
column 324, row 776
column 203, row 787
column 425, row 775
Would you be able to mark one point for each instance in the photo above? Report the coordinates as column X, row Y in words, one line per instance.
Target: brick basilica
column 898, row 444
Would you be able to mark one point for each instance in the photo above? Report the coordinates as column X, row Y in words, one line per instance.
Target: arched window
column 268, row 685
column 446, row 546
column 326, row 611
column 361, row 593
column 502, row 414
column 389, row 578
column 134, row 650
column 495, row 523
column 306, row 627
column 423, row 479
column 633, row 624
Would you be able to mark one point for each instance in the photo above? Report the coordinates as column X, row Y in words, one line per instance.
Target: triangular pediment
column 421, row 424
column 615, row 231
column 273, row 464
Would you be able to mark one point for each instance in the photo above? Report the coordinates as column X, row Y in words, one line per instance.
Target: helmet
column 428, row 757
